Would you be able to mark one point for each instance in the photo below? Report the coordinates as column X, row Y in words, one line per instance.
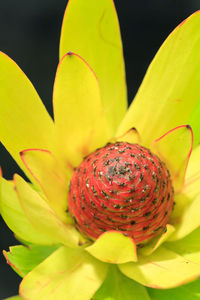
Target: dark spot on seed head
column 121, row 151
column 137, row 166
column 135, row 209
column 145, row 228
column 147, row 214
column 122, row 184
column 112, row 171
column 86, row 224
column 93, row 204
column 103, row 206
column 94, row 170
column 155, row 216
column 125, row 234
column 140, row 245
column 158, row 228
column 124, row 217
column 116, row 206
column 82, row 195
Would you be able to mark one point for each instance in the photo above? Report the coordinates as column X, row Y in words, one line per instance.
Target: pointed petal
column 156, row 243
column 174, row 148
column 97, row 39
column 189, row 246
column 24, row 121
column 118, row 287
column 66, row 274
column 181, row 202
column 162, row 269
column 187, row 220
column 192, row 178
column 43, row 218
column 170, row 89
column 113, row 247
column 79, row 118
column 24, row 259
column 15, row 218
column 51, row 177
column 132, row 136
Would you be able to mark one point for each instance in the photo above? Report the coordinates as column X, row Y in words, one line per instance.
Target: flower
column 89, row 99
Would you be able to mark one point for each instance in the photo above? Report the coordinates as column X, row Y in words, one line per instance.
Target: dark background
column 29, row 33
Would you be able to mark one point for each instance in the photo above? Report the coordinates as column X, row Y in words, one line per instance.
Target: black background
column 29, row 33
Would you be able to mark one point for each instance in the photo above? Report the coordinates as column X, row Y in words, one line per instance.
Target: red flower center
column 123, row 187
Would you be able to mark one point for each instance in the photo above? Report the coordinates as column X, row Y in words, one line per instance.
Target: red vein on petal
column 22, row 154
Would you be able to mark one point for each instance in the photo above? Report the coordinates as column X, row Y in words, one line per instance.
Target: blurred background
column 29, row 34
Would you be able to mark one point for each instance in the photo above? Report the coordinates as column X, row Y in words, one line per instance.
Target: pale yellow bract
column 89, row 100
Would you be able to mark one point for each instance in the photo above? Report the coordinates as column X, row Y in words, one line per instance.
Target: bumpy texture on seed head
column 123, row 187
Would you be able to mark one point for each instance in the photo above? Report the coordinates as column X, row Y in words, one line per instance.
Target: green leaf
column 23, row 259
column 113, row 247
column 66, row 274
column 119, row 287
column 91, row 29
column 170, row 90
column 190, row 291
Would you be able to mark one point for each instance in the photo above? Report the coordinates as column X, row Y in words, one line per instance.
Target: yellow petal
column 174, row 148
column 113, row 247
column 69, row 274
column 192, row 178
column 80, row 122
column 157, row 242
column 189, row 246
column 91, row 29
column 132, row 136
column 163, row 269
column 188, row 221
column 24, row 121
column 51, row 177
column 14, row 216
column 170, row 89
column 181, row 202
column 43, row 218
